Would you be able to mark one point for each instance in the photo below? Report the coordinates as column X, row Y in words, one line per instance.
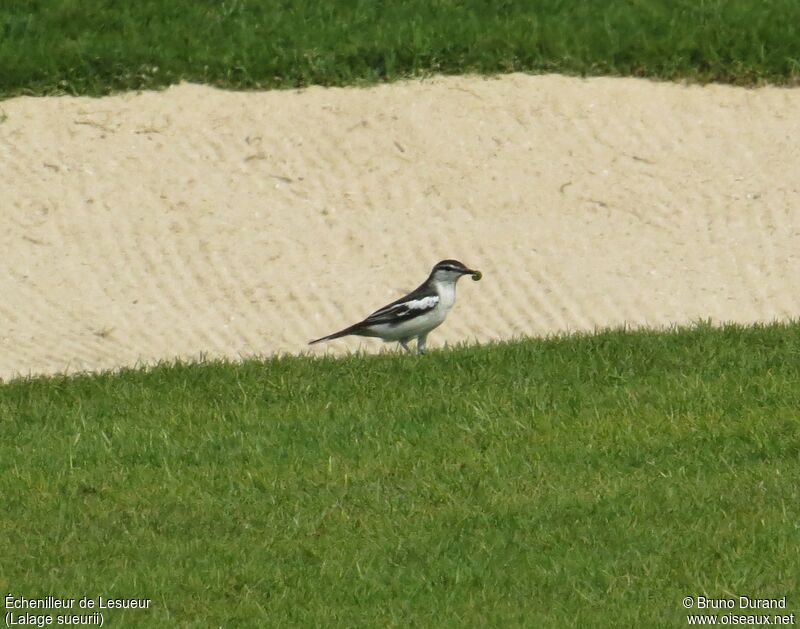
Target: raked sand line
column 195, row 221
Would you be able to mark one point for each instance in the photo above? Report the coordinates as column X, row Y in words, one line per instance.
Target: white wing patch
column 421, row 304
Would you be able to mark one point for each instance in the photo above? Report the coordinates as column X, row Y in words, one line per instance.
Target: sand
column 198, row 222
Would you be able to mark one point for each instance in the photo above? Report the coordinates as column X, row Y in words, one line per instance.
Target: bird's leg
column 421, row 340
column 404, row 344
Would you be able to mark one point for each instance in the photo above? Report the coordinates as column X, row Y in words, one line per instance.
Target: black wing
column 423, row 299
column 416, row 303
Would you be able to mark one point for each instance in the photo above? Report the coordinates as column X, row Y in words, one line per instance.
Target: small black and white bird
column 416, row 314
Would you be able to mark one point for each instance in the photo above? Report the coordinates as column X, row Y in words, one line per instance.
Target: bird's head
column 451, row 270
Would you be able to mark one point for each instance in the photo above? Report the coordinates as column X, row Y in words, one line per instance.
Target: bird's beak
column 476, row 275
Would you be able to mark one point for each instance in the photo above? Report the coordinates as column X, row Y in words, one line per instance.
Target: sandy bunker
column 195, row 221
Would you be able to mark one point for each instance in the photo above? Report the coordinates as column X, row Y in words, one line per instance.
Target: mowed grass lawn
column 591, row 480
column 97, row 46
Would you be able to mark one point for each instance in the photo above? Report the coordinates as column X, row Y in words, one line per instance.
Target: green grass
column 97, row 46
column 588, row 481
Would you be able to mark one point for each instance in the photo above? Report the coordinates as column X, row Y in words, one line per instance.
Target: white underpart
column 424, row 323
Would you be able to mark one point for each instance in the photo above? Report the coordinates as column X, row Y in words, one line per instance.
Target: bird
column 416, row 314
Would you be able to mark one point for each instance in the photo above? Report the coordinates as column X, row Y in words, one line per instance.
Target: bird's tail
column 347, row 331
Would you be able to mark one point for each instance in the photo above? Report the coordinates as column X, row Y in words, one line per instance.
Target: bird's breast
column 447, row 296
